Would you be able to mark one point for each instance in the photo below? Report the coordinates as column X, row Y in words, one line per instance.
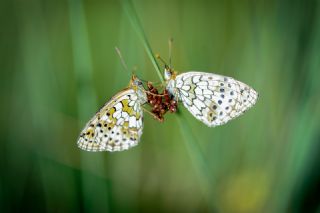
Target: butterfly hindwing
column 211, row 98
column 117, row 126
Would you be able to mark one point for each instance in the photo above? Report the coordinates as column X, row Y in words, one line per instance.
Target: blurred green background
column 58, row 66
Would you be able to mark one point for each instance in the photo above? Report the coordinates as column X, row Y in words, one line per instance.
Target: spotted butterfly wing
column 211, row 98
column 117, row 126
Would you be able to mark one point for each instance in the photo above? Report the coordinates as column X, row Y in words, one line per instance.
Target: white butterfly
column 118, row 125
column 211, row 98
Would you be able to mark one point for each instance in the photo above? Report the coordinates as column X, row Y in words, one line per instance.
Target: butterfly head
column 169, row 73
column 136, row 82
column 137, row 85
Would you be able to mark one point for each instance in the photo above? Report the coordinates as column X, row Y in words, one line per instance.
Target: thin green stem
column 192, row 146
column 134, row 19
column 198, row 159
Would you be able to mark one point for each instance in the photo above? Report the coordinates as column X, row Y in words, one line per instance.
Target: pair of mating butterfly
column 211, row 98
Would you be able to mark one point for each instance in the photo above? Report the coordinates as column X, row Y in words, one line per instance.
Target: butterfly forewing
column 211, row 98
column 117, row 126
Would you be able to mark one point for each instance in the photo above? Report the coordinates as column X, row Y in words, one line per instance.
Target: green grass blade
column 136, row 24
column 193, row 148
column 198, row 159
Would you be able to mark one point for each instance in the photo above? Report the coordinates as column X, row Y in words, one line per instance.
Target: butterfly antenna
column 163, row 61
column 170, row 51
column 122, row 60
column 134, row 70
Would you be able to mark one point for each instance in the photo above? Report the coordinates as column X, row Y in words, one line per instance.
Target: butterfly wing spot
column 212, row 116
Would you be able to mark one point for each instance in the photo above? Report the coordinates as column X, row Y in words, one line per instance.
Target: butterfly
column 211, row 98
column 118, row 125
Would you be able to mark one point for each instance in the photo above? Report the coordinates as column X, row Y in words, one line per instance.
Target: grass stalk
column 190, row 140
column 137, row 26
column 198, row 159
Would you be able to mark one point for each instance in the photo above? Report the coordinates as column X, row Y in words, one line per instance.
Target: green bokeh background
column 58, row 66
